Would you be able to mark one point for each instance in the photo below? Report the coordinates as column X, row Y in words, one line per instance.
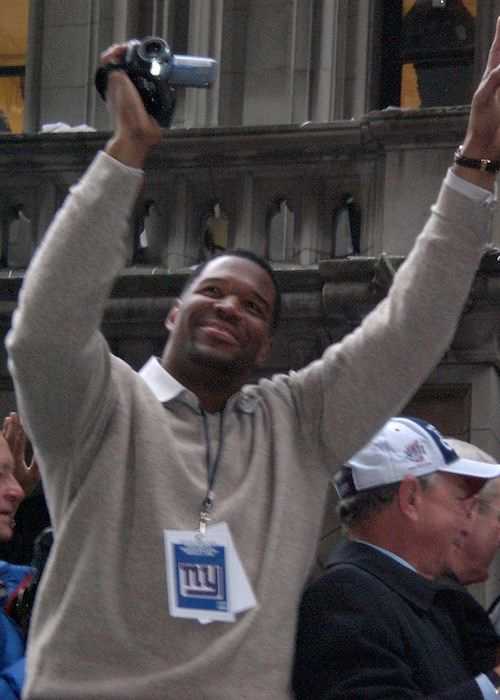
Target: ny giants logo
column 201, row 581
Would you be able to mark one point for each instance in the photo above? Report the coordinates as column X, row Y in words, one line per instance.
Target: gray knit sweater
column 119, row 468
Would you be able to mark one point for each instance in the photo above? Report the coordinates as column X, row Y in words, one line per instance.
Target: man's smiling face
column 224, row 318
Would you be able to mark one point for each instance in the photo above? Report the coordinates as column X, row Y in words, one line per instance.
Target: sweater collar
column 163, row 385
column 166, row 388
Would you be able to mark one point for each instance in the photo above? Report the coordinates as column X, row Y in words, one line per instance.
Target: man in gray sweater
column 134, row 466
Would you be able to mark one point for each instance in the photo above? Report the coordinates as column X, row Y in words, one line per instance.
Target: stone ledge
column 243, row 145
column 336, row 295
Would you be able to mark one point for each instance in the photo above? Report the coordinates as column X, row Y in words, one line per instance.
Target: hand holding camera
column 156, row 73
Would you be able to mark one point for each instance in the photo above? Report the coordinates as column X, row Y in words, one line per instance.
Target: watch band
column 483, row 164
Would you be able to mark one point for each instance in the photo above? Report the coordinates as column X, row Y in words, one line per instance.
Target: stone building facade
column 294, row 122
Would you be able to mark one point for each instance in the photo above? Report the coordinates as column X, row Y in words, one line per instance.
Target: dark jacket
column 371, row 628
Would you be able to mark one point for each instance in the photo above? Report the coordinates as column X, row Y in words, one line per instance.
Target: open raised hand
column 28, row 476
column 482, row 139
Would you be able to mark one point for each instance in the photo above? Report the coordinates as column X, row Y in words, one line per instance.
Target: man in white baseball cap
column 378, row 624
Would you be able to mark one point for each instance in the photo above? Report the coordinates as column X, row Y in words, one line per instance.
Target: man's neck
column 212, row 386
column 388, row 552
column 389, row 540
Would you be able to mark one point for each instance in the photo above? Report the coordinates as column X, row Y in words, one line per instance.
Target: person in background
column 13, row 472
column 32, row 516
column 378, row 625
column 470, row 557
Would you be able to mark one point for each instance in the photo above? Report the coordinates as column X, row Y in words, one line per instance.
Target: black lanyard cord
column 212, row 466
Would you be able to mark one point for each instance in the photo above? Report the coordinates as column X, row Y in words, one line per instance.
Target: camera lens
column 153, row 48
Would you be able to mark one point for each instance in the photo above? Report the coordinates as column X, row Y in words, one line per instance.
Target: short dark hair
column 246, row 255
column 356, row 509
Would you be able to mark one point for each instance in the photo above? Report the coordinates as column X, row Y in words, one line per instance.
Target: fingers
column 7, row 428
column 118, row 81
column 114, row 54
column 128, row 107
column 9, row 420
column 30, row 477
column 125, row 102
column 11, row 430
column 135, row 131
column 488, row 87
column 494, row 52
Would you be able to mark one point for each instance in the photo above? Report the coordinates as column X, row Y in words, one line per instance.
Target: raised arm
column 368, row 377
column 482, row 139
column 58, row 359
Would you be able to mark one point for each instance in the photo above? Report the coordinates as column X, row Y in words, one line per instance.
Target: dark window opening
column 428, row 52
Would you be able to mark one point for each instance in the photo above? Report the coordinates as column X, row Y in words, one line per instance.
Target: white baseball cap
column 405, row 446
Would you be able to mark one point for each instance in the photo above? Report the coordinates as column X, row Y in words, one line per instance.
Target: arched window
column 280, row 231
column 214, row 230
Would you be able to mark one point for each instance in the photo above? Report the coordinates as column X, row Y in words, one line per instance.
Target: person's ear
column 409, row 497
column 172, row 315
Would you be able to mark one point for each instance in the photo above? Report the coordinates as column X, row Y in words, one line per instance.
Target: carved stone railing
column 320, row 305
column 248, row 170
column 352, row 288
column 250, row 165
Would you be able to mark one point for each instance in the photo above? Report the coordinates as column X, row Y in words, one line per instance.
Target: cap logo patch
column 448, row 453
column 416, row 452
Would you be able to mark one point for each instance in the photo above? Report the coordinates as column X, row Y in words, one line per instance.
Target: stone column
column 308, row 233
column 342, row 59
column 175, row 257
column 359, row 70
column 205, row 39
column 67, row 38
column 277, row 65
column 329, row 56
column 245, row 222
